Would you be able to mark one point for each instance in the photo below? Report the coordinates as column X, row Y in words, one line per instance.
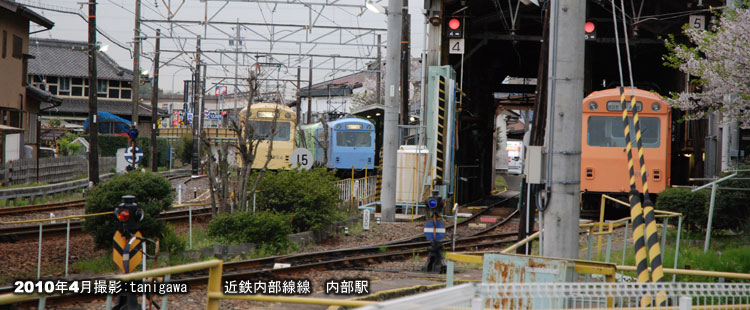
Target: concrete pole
column 309, row 92
column 390, row 119
column 378, row 76
column 730, row 143
column 566, row 93
column 155, row 105
column 93, row 123
column 196, row 109
column 405, row 63
column 136, row 64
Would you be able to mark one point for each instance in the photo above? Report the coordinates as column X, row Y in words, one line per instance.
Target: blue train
column 347, row 143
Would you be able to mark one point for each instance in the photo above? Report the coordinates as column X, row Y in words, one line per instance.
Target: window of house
column 125, row 93
column 101, row 88
column 17, row 47
column 64, row 89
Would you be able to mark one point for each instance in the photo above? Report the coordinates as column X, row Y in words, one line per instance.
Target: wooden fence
column 51, row 170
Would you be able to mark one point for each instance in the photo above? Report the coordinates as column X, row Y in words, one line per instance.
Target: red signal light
column 454, row 23
column 123, row 215
column 589, row 27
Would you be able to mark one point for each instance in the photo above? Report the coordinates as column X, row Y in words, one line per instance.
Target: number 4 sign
column 456, row 46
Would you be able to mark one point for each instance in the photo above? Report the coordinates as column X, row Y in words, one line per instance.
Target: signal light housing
column 589, row 30
column 122, row 215
column 455, row 28
column 128, row 214
column 133, row 132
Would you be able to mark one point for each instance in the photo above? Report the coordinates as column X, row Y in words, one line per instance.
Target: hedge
column 108, row 145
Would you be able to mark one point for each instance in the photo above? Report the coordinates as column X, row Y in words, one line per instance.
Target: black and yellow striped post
column 636, row 212
column 441, row 131
column 379, row 171
column 652, row 237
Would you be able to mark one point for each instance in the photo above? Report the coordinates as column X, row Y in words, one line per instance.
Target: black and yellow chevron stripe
column 652, row 237
column 441, row 130
column 379, row 171
column 636, row 212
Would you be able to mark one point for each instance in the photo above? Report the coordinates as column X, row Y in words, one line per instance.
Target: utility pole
column 730, row 138
column 566, row 94
column 93, row 124
column 378, row 76
column 298, row 109
column 309, row 93
column 405, row 63
column 236, row 64
column 136, row 65
column 155, row 104
column 390, row 118
column 196, row 99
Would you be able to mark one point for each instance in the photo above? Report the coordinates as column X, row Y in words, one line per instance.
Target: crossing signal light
column 455, row 28
column 128, row 214
column 590, row 30
column 133, row 132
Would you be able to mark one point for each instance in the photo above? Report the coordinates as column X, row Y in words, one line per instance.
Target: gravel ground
column 19, row 259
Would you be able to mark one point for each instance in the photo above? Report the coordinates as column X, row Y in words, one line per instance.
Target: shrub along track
column 263, row 268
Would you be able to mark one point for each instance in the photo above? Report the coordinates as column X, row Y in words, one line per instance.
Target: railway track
column 358, row 257
column 12, row 234
column 12, row 211
column 42, row 207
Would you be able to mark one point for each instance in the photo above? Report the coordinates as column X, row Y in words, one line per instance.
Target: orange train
column 604, row 163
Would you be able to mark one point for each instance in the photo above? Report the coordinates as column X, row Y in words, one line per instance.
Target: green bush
column 265, row 228
column 161, row 145
column 693, row 206
column 153, row 193
column 731, row 209
column 108, row 144
column 67, row 148
column 185, row 149
column 171, row 242
column 310, row 197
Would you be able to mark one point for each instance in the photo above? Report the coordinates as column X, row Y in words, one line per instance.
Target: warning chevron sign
column 130, row 259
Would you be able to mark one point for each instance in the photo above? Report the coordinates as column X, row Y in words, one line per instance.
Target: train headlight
column 338, row 126
column 288, row 115
column 656, row 107
column 593, row 106
column 369, row 126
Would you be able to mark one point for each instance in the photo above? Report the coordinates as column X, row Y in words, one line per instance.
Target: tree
column 153, row 193
column 720, row 60
column 246, row 148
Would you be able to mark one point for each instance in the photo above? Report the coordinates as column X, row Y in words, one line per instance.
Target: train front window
column 353, row 138
column 263, row 129
column 608, row 131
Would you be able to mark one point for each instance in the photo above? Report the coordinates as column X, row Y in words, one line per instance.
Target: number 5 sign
column 698, row 22
column 301, row 158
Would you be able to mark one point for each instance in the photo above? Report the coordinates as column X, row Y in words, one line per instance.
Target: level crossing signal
column 590, row 30
column 455, row 28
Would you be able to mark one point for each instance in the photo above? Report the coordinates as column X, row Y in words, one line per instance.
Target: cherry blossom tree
column 719, row 60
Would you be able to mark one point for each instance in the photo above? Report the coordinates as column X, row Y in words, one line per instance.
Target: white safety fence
column 360, row 190
column 537, row 296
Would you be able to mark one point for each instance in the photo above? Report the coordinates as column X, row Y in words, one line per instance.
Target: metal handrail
column 214, row 276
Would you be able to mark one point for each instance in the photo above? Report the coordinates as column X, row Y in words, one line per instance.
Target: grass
column 97, row 265
column 727, row 253
column 500, row 183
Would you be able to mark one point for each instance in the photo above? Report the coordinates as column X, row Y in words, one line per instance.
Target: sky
column 115, row 18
